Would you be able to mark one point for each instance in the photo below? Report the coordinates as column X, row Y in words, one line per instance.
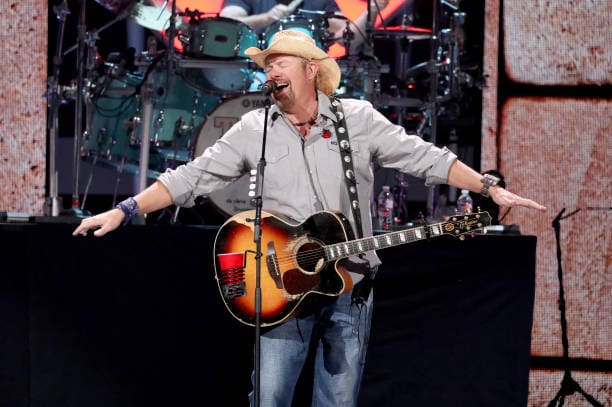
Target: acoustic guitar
column 299, row 260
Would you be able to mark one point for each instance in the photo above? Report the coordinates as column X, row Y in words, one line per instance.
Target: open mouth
column 281, row 86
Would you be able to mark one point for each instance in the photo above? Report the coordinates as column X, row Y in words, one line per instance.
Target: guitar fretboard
column 345, row 249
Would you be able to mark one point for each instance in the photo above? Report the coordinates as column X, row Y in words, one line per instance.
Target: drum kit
column 155, row 110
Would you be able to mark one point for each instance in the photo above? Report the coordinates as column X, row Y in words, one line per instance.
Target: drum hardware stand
column 51, row 206
column 400, row 192
column 147, row 93
column 431, row 107
column 121, row 16
column 84, row 39
column 75, row 209
column 369, row 27
column 172, row 34
column 347, row 36
column 569, row 386
column 369, row 24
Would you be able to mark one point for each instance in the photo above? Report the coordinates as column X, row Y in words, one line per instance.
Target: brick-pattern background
column 558, row 151
column 558, row 42
column 23, row 67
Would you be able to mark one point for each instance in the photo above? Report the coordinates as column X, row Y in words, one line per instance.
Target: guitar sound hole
column 310, row 257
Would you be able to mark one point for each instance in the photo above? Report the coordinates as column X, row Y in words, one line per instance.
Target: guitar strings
column 320, row 252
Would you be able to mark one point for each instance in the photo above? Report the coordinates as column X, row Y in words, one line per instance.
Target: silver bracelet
column 488, row 181
column 129, row 207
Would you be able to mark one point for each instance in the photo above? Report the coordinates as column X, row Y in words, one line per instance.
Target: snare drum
column 296, row 22
column 235, row 197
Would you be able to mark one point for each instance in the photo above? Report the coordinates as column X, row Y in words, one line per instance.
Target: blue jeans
column 341, row 331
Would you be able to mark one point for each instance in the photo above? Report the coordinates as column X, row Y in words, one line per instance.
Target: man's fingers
column 100, row 232
column 85, row 226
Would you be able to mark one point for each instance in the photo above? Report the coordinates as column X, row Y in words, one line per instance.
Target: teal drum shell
column 300, row 23
column 222, row 43
column 219, row 37
column 115, row 121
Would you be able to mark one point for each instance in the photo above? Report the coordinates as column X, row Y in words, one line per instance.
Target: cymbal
column 151, row 17
column 408, row 32
column 323, row 14
column 417, row 69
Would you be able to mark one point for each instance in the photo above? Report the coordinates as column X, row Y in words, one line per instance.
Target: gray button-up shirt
column 305, row 176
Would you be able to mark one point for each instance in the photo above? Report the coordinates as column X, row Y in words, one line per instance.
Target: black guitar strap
column 347, row 161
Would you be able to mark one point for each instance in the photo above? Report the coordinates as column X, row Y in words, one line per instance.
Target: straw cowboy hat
column 297, row 43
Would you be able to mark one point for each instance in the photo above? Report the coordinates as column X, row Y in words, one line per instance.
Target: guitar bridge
column 232, row 283
column 273, row 267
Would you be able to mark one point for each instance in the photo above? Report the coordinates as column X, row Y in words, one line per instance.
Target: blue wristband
column 129, row 208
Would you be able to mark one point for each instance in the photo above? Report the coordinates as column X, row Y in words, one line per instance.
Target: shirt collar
column 325, row 106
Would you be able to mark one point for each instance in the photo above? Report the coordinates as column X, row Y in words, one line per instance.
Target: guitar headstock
column 460, row 225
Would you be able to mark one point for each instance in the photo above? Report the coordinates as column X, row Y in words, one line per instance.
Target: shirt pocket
column 280, row 170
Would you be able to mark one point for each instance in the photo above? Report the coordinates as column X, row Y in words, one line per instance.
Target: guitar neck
column 457, row 225
column 346, row 249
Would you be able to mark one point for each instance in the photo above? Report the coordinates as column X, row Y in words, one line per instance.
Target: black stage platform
column 135, row 319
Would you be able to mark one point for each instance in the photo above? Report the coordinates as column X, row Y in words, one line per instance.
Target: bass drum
column 235, row 197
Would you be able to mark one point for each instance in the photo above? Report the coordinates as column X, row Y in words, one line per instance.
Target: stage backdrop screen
column 546, row 126
column 23, row 66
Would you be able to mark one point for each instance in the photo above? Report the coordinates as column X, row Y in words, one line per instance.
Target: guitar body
column 293, row 263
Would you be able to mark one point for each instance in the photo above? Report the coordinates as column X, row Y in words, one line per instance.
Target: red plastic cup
column 229, row 261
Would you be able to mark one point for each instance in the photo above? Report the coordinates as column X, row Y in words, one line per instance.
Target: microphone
column 268, row 87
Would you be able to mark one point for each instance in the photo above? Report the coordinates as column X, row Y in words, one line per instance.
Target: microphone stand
column 258, row 202
column 569, row 386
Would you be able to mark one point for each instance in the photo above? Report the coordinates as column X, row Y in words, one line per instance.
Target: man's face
column 294, row 77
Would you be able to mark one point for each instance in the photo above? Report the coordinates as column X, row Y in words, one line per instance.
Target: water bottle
column 385, row 204
column 464, row 202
